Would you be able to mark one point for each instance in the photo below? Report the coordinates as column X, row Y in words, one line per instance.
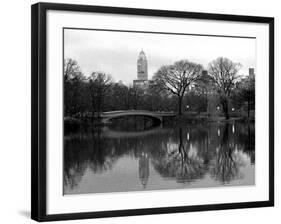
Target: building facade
column 251, row 73
column 142, row 66
column 142, row 71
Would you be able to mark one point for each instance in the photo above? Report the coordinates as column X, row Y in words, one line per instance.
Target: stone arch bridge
column 107, row 116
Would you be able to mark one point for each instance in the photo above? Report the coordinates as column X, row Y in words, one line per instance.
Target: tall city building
column 142, row 66
column 142, row 74
column 251, row 73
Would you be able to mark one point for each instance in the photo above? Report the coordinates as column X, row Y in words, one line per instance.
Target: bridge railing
column 138, row 111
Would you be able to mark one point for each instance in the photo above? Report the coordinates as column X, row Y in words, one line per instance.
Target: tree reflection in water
column 226, row 163
column 86, row 151
column 182, row 154
column 180, row 160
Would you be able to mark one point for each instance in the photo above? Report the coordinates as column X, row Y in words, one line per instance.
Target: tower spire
column 142, row 66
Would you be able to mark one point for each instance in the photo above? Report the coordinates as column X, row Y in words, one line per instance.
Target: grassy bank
column 193, row 117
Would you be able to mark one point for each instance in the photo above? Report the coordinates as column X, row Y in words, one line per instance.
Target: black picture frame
column 38, row 108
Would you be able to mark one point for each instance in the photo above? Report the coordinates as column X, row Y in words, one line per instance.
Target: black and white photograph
column 149, row 111
column 139, row 111
column 135, row 111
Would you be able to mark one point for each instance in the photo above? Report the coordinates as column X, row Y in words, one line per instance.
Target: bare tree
column 71, row 69
column 99, row 84
column 73, row 85
column 223, row 72
column 177, row 77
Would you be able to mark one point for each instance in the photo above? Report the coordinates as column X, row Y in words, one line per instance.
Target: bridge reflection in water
column 112, row 160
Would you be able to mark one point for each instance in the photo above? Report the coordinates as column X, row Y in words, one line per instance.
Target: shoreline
column 182, row 119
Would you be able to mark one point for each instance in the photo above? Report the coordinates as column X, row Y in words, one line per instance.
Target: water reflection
column 144, row 168
column 203, row 155
column 226, row 161
column 180, row 159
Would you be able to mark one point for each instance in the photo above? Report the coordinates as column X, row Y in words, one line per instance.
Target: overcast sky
column 116, row 53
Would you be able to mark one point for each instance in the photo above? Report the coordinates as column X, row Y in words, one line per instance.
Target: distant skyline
column 116, row 53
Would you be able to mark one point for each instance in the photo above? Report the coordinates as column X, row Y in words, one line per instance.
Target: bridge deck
column 136, row 112
column 156, row 114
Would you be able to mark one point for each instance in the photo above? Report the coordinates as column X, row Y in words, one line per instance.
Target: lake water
column 125, row 157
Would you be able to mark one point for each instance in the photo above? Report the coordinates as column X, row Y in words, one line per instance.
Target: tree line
column 172, row 86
